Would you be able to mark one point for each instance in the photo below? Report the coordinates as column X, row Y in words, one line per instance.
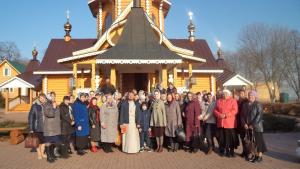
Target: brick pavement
column 281, row 155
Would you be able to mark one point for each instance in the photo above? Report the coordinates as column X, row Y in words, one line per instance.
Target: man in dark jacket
column 108, row 88
column 67, row 125
column 240, row 128
column 36, row 123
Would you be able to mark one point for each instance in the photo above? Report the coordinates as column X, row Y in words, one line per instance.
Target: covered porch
column 23, row 101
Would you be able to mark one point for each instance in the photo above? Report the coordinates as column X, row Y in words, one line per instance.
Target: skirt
column 260, row 142
column 52, row 139
column 41, row 137
column 228, row 138
column 96, row 133
column 81, row 142
column 158, row 131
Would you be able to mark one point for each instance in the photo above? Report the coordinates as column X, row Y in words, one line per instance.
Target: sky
column 29, row 22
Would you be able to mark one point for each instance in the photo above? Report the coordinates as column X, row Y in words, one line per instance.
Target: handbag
column 196, row 139
column 180, row 134
column 32, row 141
column 249, row 143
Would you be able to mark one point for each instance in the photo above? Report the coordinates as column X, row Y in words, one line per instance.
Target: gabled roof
column 230, row 78
column 28, row 76
column 19, row 67
column 16, row 82
column 138, row 42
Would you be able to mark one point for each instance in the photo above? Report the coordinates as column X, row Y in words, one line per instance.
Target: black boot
column 50, row 159
column 104, row 147
column 52, row 147
column 64, row 151
column 110, row 148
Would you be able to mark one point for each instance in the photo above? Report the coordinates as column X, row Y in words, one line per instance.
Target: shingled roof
column 58, row 49
column 201, row 49
column 18, row 66
column 28, row 76
column 138, row 42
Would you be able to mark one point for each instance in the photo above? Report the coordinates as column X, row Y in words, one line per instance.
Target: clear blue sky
column 29, row 21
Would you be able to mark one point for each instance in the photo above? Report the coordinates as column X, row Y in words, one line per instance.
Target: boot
column 64, row 151
column 176, row 147
column 52, row 147
column 50, row 159
column 104, row 147
column 69, row 150
column 110, row 148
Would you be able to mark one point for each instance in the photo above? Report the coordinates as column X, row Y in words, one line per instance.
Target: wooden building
column 131, row 49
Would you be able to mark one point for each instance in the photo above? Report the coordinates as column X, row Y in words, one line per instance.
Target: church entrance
column 138, row 81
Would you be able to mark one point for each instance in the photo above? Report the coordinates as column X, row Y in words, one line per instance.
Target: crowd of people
column 140, row 121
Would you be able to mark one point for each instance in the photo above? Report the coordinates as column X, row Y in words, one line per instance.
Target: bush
column 11, row 123
column 2, row 101
column 273, row 123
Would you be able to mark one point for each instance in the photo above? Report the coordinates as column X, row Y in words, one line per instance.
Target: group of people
column 146, row 122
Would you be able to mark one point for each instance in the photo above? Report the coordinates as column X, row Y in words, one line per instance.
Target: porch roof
column 16, row 82
column 138, row 44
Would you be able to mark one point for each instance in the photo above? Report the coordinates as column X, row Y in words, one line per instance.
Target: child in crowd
column 145, row 128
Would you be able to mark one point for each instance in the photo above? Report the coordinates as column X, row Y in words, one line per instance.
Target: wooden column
column 113, row 76
column 175, row 76
column 164, row 76
column 75, row 78
column 6, row 100
column 93, row 76
column 82, row 78
column 190, row 70
column 30, row 96
column 19, row 95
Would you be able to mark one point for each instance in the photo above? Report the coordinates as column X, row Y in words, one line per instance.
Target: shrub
column 273, row 123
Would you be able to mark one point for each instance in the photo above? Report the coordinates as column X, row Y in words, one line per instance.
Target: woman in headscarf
column 94, row 117
column 252, row 121
column 225, row 112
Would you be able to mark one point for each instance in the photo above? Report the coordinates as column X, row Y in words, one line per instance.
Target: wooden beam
column 82, row 78
column 164, row 76
column 175, row 76
column 75, row 78
column 113, row 76
column 30, row 96
column 6, row 99
column 93, row 76
column 190, row 70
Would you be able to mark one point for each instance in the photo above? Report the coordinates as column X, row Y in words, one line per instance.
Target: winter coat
column 52, row 122
column 208, row 114
column 36, row 117
column 124, row 113
column 145, row 120
column 240, row 103
column 66, row 117
column 174, row 119
column 229, row 108
column 94, row 117
column 109, row 116
column 252, row 114
column 81, row 118
column 158, row 115
column 192, row 123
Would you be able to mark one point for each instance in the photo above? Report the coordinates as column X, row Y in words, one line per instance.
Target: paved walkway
column 281, row 155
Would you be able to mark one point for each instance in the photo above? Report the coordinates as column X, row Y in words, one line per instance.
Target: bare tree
column 292, row 72
column 264, row 48
column 9, row 50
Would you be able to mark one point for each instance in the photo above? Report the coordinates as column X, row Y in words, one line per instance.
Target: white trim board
column 57, row 72
column 16, row 82
column 237, row 80
column 201, row 71
column 137, row 61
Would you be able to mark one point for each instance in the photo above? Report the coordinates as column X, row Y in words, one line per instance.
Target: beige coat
column 158, row 115
column 109, row 116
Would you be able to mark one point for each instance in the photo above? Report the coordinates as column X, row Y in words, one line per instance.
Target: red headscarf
column 96, row 108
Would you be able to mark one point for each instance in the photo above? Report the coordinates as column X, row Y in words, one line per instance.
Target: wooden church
column 131, row 49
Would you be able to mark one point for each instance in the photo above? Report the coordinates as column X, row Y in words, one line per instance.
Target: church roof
column 138, row 44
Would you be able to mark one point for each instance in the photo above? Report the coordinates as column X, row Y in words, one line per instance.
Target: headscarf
column 253, row 93
column 96, row 108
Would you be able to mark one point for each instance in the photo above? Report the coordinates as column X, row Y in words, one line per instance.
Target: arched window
column 108, row 21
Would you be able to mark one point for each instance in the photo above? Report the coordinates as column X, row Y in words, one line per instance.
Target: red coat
column 192, row 111
column 230, row 108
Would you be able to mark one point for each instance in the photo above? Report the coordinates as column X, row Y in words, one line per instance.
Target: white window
column 6, row 71
column 11, row 89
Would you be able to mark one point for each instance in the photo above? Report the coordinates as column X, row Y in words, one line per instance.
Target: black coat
column 124, row 113
column 145, row 120
column 93, row 116
column 36, row 118
column 66, row 127
column 252, row 114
